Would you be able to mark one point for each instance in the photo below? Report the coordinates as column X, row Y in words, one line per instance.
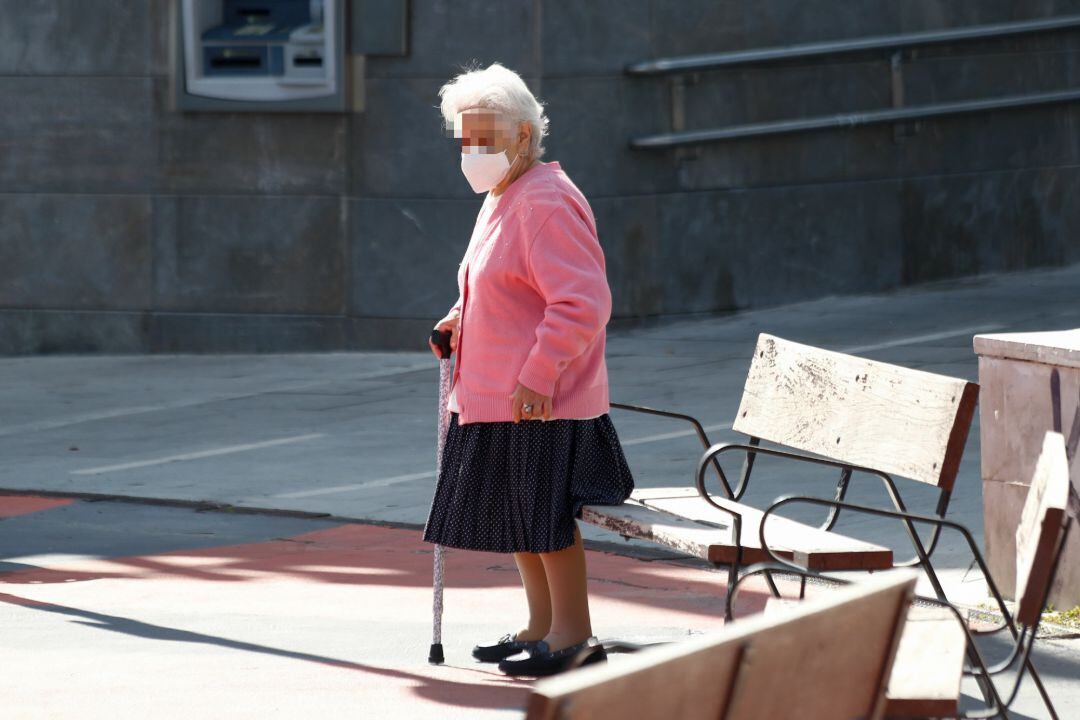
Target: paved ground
column 114, row 609
column 120, row 610
column 353, row 435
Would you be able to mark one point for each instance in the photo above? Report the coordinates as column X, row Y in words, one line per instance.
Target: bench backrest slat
column 694, row 686
column 905, row 422
column 829, row 657
column 1040, row 528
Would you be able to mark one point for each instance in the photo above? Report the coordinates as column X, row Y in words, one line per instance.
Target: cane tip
column 435, row 655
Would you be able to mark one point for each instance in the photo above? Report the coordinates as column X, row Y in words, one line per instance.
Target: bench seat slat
column 634, row 520
column 680, row 519
column 929, row 666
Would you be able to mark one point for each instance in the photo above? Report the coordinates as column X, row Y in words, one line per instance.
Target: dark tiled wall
column 127, row 227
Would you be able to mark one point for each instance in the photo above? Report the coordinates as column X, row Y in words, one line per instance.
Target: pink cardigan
column 534, row 302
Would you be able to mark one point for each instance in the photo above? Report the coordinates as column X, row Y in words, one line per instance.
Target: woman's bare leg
column 565, row 569
column 534, row 580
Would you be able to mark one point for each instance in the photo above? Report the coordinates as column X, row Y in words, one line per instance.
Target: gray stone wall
column 128, row 227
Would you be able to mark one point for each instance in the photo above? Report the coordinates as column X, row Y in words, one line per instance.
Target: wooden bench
column 858, row 417
column 859, row 651
column 826, row 659
column 925, row 677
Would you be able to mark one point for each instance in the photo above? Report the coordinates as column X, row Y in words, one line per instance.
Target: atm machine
column 261, row 55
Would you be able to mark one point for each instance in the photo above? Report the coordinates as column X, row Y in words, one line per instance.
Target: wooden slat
column 902, row 421
column 828, row 658
column 1041, row 524
column 678, row 518
column 929, row 665
column 809, row 546
column 634, row 520
column 925, row 679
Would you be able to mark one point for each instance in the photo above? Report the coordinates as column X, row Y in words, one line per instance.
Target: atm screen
column 271, row 38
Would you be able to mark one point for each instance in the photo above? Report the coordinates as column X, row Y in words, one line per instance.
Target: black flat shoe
column 506, row 647
column 541, row 661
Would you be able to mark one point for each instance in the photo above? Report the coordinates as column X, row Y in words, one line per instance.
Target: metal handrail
column 694, row 63
column 848, row 120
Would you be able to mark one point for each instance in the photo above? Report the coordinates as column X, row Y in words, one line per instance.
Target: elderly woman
column 529, row 440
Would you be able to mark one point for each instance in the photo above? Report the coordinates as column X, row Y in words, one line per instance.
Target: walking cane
column 442, row 340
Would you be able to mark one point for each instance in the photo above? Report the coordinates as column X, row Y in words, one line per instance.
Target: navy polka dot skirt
column 517, row 487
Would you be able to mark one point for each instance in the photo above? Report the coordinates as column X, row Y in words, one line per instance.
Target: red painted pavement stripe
column 15, row 505
column 355, row 554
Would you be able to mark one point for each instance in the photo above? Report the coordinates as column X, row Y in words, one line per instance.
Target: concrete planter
column 1030, row 383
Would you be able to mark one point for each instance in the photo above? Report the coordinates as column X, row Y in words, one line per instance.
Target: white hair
column 499, row 88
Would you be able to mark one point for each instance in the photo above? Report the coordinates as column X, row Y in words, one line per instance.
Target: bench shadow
column 971, row 703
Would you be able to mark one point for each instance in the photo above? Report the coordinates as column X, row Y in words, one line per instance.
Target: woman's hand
column 541, row 404
column 451, row 322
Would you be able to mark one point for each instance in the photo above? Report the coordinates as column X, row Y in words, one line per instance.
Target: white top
column 1061, row 347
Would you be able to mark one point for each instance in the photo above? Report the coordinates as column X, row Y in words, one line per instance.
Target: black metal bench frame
column 751, row 449
column 1023, row 636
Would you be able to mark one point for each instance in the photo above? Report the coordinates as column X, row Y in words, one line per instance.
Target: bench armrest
column 750, row 449
column 699, row 429
column 753, row 449
column 908, row 519
column 890, row 486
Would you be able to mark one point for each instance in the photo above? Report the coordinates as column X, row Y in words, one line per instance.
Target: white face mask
column 484, row 170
